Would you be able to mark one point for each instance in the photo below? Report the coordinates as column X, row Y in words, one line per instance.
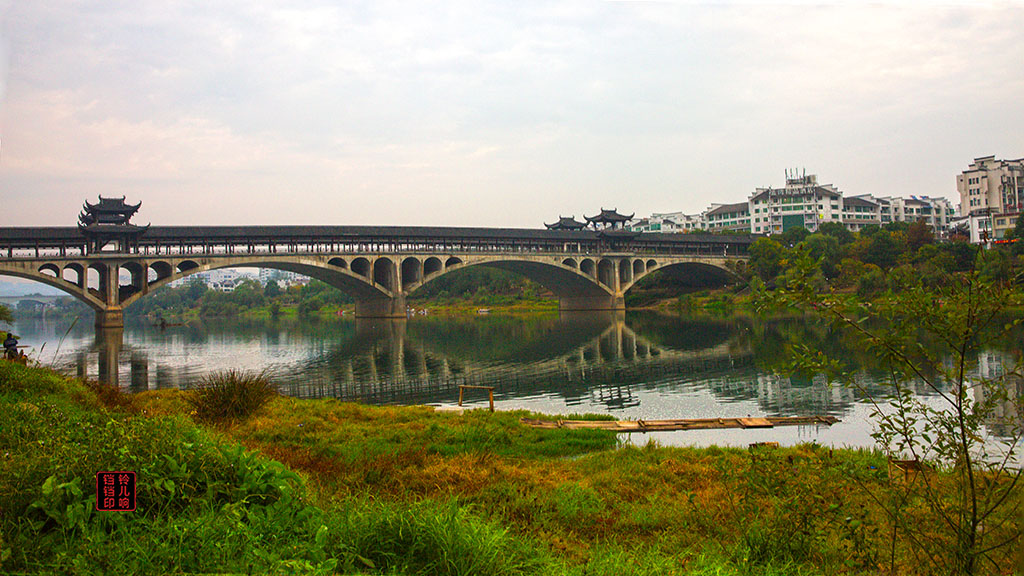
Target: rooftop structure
column 109, row 221
column 608, row 219
column 566, row 223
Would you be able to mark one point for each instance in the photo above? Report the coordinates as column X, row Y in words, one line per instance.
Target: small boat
column 484, row 311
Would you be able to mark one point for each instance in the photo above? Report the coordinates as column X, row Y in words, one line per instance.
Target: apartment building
column 668, row 222
column 802, row 202
column 734, row 217
column 935, row 212
column 992, row 193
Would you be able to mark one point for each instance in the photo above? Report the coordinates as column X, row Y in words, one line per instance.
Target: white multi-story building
column 282, row 277
column 735, row 217
column 803, row 202
column 864, row 210
column 668, row 222
column 993, row 188
column 935, row 212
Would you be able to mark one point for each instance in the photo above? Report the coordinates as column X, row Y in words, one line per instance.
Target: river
column 634, row 366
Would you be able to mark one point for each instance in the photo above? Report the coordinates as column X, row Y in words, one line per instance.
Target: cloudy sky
column 492, row 114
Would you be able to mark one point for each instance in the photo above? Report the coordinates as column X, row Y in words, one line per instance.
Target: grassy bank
column 328, row 487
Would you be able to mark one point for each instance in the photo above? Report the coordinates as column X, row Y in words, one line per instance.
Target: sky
column 497, row 114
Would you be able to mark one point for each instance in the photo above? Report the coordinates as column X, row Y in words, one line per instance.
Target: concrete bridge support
column 112, row 317
column 381, row 307
column 587, row 303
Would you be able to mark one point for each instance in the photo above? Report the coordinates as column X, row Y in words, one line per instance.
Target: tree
column 824, row 249
column 965, row 519
column 872, row 283
column 897, row 226
column 6, row 315
column 766, row 258
column 882, row 250
column 272, row 289
column 195, row 289
column 919, row 234
column 870, row 230
column 961, row 253
column 793, row 236
column 837, row 231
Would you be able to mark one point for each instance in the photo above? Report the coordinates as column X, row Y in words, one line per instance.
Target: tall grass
column 231, row 395
column 204, row 505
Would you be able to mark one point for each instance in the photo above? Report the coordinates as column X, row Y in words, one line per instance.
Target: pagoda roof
column 609, row 216
column 566, row 223
column 111, row 205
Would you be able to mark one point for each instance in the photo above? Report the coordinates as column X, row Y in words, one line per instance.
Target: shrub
column 232, row 395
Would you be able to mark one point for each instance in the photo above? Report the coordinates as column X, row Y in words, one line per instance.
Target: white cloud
column 492, row 114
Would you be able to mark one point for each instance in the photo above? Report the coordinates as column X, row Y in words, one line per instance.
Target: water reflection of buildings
column 1000, row 381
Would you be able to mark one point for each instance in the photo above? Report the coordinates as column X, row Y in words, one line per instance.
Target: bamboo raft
column 680, row 424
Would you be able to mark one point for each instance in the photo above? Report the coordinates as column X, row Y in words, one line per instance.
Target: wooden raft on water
column 680, row 424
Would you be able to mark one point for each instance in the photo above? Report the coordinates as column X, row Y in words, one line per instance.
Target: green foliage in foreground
column 395, row 490
column 204, row 504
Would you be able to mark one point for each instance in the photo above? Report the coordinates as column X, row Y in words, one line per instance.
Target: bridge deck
column 291, row 239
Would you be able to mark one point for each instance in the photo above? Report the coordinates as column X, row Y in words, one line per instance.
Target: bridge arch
column 59, row 283
column 692, row 273
column 606, row 273
column 432, row 265
column 342, row 279
column 563, row 280
column 79, row 274
column 361, row 267
column 588, row 268
column 412, row 271
column 161, row 270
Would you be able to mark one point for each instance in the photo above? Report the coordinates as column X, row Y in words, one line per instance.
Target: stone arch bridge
column 378, row 266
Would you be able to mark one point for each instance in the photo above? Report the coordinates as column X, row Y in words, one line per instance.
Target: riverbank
column 321, row 486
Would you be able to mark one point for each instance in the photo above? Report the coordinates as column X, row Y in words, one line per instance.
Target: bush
column 232, row 395
column 872, row 283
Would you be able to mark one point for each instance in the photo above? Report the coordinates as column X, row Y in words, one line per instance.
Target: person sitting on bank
column 11, row 346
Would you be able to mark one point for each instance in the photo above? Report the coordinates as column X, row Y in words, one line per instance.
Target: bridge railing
column 241, row 244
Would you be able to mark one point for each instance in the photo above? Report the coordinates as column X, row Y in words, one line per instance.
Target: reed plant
column 230, row 395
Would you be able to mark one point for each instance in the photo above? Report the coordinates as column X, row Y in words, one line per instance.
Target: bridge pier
column 112, row 317
column 381, row 307
column 580, row 303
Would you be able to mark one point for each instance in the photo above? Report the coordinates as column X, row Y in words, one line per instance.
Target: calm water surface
column 634, row 365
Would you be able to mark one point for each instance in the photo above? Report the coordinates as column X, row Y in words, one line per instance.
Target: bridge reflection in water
column 586, row 361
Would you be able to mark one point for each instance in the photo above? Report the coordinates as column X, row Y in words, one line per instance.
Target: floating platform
column 681, row 424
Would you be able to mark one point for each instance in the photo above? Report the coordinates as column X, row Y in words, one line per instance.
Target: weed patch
column 231, row 395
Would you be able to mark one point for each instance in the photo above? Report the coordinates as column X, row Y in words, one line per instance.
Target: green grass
column 205, row 503
column 325, row 487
